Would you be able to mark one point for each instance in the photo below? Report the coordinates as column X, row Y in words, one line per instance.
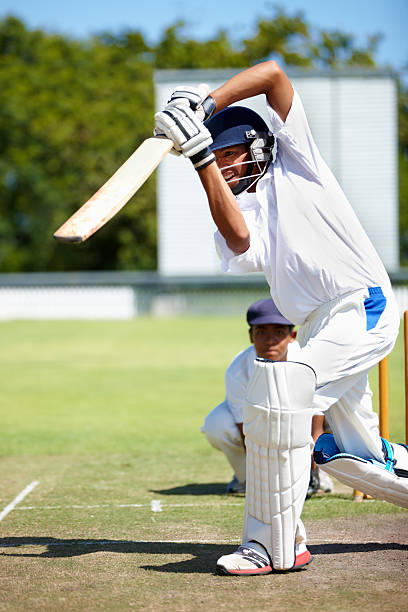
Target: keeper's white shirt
column 305, row 236
column 238, row 374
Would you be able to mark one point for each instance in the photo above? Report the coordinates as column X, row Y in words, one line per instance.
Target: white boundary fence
column 67, row 303
column 109, row 295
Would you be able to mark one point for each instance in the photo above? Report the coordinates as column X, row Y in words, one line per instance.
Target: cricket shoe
column 235, row 486
column 251, row 559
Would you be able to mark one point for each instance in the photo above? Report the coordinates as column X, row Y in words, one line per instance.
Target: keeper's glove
column 180, row 124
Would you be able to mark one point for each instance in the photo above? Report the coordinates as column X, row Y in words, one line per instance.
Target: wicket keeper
column 272, row 337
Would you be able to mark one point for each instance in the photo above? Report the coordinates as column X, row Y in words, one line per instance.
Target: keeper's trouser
column 223, row 434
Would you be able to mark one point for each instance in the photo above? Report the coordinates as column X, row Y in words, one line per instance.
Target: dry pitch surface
column 161, row 554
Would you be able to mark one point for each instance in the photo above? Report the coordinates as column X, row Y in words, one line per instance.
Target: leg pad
column 277, row 426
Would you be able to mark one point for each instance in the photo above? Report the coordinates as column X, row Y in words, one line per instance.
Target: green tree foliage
column 284, row 37
column 71, row 112
column 176, row 51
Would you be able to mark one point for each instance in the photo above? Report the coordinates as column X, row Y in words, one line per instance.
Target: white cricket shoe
column 251, row 559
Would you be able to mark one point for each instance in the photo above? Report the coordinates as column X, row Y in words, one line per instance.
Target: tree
column 70, row 114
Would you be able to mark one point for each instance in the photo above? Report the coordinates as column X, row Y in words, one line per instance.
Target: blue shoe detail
column 326, row 450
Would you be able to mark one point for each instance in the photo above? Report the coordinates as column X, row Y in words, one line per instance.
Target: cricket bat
column 115, row 193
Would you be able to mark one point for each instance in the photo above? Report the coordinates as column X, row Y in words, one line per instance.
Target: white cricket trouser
column 223, row 434
column 336, row 343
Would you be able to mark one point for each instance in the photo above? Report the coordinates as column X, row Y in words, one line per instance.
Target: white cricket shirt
column 239, row 372
column 305, row 236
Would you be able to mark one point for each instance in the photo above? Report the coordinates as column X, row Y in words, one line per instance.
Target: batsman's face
column 271, row 341
column 229, row 156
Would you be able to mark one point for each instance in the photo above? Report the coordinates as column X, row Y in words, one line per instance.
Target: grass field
column 129, row 511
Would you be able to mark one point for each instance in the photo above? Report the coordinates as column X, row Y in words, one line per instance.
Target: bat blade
column 115, row 193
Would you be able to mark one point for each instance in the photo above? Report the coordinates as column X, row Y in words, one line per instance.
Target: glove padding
column 189, row 135
column 198, row 99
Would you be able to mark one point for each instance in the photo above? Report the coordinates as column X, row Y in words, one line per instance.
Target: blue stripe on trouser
column 374, row 306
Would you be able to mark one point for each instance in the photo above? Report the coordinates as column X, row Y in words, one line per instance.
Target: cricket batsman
column 279, row 209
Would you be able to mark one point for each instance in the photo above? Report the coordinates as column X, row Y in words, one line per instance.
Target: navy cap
column 264, row 312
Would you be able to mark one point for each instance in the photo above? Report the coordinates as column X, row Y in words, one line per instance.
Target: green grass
column 106, row 416
column 70, row 387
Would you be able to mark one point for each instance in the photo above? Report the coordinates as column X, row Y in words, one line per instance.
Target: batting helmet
column 240, row 125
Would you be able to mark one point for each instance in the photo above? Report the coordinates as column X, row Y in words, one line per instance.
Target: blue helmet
column 233, row 126
column 240, row 125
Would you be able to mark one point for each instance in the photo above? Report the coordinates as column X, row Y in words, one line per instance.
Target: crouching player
column 279, row 209
column 272, row 337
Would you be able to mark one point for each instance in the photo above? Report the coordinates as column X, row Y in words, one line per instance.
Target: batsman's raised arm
column 265, row 78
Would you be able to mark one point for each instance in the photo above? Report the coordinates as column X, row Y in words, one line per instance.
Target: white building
column 353, row 118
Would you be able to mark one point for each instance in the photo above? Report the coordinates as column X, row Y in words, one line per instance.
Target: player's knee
column 219, row 426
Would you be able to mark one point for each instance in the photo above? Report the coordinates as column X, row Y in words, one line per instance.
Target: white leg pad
column 277, row 427
column 387, row 481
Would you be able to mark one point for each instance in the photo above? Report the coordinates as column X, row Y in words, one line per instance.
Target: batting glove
column 198, row 99
column 189, row 135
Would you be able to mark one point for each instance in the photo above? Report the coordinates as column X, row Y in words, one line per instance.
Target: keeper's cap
column 235, row 125
column 264, row 312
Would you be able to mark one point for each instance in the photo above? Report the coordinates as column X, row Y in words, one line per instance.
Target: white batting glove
column 198, row 99
column 189, row 135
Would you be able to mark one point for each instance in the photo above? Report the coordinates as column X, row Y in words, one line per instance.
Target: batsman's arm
column 190, row 136
column 264, row 78
column 224, row 209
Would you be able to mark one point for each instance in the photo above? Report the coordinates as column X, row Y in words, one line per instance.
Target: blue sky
column 80, row 18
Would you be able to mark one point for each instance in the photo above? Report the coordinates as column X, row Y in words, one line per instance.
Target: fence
column 124, row 295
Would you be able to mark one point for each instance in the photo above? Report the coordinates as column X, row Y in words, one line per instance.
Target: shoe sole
column 223, row 571
column 301, row 561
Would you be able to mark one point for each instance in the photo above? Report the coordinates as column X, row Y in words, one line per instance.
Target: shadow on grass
column 204, row 556
column 207, row 488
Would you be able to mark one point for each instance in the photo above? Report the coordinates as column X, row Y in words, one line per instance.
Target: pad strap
column 388, row 455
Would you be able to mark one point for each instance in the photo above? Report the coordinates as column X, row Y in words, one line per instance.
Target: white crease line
column 155, row 506
column 18, row 499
